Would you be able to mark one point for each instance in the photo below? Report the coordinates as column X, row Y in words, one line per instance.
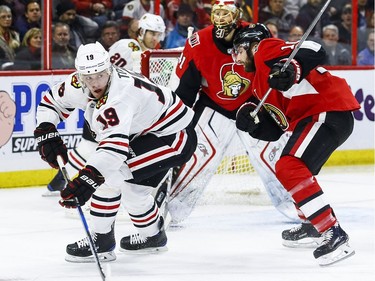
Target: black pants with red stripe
column 154, row 171
column 314, row 141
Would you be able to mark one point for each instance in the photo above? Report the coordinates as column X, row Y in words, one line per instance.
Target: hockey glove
column 244, row 121
column 50, row 144
column 82, row 187
column 282, row 81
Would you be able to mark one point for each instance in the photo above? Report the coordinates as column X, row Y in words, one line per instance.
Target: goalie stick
column 83, row 219
column 254, row 113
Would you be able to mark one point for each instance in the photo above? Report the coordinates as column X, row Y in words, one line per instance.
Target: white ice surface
column 220, row 240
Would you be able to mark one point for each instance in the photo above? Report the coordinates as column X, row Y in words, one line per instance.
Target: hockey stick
column 291, row 56
column 83, row 219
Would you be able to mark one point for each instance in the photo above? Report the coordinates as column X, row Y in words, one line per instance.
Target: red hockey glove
column 282, row 81
column 244, row 121
column 50, row 144
column 82, row 187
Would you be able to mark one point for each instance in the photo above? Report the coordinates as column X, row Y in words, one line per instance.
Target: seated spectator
column 201, row 9
column 272, row 27
column 293, row 6
column 31, row 18
column 99, row 11
column 9, row 38
column 82, row 29
column 110, row 34
column 337, row 53
column 132, row 31
column 177, row 37
column 366, row 56
column 63, row 54
column 29, row 56
column 307, row 15
column 276, row 11
column 295, row 33
column 345, row 25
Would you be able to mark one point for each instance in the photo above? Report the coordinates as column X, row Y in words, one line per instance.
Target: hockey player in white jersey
column 124, row 53
column 142, row 131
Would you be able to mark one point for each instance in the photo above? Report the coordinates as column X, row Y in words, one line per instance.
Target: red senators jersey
column 318, row 92
column 206, row 67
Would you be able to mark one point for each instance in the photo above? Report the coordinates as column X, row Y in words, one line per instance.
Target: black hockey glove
column 244, row 121
column 282, row 81
column 50, row 144
column 82, row 187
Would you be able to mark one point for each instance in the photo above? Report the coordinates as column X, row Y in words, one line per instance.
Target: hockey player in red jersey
column 211, row 83
column 317, row 108
column 142, row 130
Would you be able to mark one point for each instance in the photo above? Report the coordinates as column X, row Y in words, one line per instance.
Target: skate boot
column 135, row 243
column 57, row 184
column 334, row 248
column 80, row 251
column 302, row 236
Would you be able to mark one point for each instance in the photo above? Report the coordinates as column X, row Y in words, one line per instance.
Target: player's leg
column 309, row 147
column 214, row 132
column 104, row 206
column 263, row 156
column 150, row 161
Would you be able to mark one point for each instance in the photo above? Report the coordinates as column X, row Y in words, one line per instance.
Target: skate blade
column 50, row 193
column 103, row 257
column 341, row 253
column 156, row 250
column 305, row 243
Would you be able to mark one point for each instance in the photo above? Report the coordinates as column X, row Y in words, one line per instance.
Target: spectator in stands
column 201, row 9
column 177, row 37
column 345, row 25
column 294, row 6
column 82, row 29
column 132, row 31
column 31, row 18
column 63, row 54
column 110, row 34
column 366, row 56
column 295, row 33
column 99, row 11
column 308, row 13
column 135, row 9
column 29, row 56
column 9, row 38
column 337, row 53
column 276, row 10
column 272, row 27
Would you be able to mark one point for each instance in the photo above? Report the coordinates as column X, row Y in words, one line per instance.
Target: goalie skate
column 135, row 243
column 334, row 248
column 302, row 236
column 80, row 252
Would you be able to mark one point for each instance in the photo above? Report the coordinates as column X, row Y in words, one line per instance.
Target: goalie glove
column 82, row 187
column 244, row 121
column 50, row 144
column 282, row 81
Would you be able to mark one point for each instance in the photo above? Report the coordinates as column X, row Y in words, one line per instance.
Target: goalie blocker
column 215, row 134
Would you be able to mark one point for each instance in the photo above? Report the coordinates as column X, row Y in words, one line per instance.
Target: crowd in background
column 77, row 22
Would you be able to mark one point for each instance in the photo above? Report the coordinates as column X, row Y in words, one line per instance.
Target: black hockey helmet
column 250, row 34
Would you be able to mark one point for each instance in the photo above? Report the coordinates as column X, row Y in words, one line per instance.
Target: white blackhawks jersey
column 122, row 52
column 132, row 106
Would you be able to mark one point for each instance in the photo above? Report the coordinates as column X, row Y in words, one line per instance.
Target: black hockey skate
column 80, row 251
column 334, row 248
column 302, row 236
column 137, row 244
column 57, row 184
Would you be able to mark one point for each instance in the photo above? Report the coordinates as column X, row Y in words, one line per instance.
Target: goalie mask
column 153, row 23
column 225, row 15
